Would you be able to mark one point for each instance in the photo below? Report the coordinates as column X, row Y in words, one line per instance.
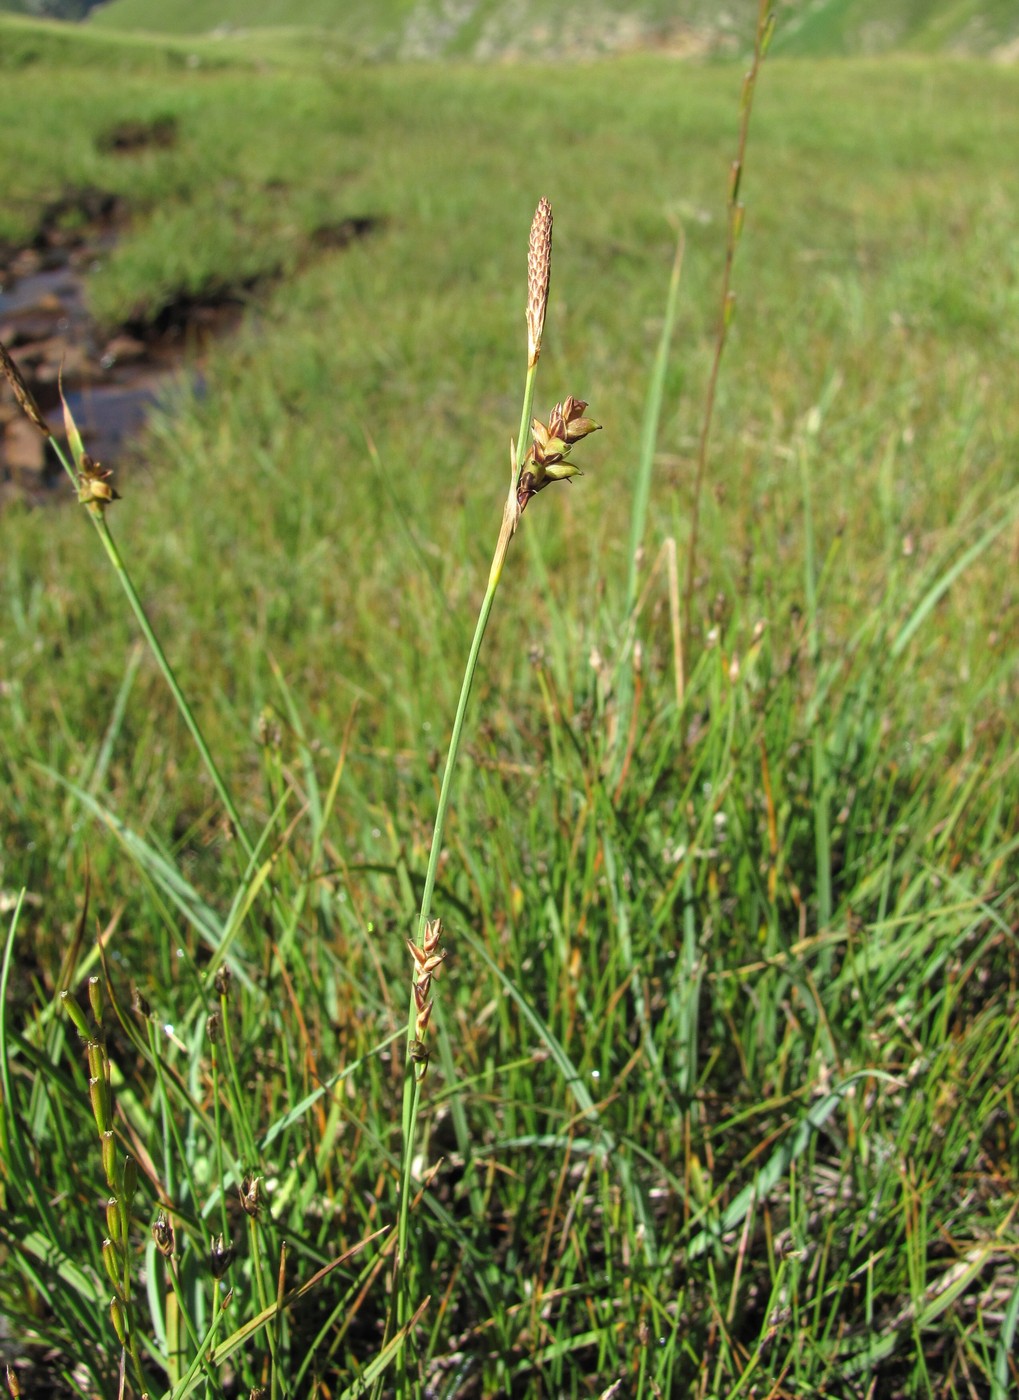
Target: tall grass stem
column 762, row 37
column 115, row 557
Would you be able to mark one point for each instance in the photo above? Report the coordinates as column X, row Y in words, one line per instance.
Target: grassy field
column 721, row 1090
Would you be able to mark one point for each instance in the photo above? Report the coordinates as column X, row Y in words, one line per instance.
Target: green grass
column 721, row 1091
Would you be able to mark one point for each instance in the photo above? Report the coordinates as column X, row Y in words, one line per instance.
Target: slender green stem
column 412, row 1081
column 412, row 1088
column 649, row 433
column 185, row 1316
column 762, row 37
column 114, row 556
column 623, row 680
column 451, row 756
column 524, row 435
column 204, row 1356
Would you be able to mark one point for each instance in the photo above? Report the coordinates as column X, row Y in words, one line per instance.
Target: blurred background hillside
column 515, row 29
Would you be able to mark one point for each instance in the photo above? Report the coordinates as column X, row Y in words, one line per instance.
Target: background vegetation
column 484, row 29
column 722, row 1089
column 50, row 9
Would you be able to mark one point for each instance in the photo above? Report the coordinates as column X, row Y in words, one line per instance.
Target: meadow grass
column 720, row 1093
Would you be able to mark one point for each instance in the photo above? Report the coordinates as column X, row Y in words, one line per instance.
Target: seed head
column 114, row 1220
column 539, row 266
column 22, row 392
column 94, row 489
column 112, row 1262
column 118, row 1315
column 221, row 1255
column 427, row 960
column 162, row 1234
column 566, row 420
column 251, row 1194
column 551, row 445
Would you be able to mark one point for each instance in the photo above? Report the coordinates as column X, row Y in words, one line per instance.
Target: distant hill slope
column 484, row 29
column 49, row 9
column 479, row 29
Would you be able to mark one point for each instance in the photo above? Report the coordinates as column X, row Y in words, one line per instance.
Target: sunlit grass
column 730, row 1014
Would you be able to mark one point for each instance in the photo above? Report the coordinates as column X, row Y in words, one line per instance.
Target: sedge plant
column 95, row 491
column 793, row 936
column 539, row 457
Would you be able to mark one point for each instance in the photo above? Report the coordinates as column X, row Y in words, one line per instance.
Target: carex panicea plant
column 539, row 457
column 720, row 1096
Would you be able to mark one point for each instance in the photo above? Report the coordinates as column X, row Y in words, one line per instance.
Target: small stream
column 111, row 379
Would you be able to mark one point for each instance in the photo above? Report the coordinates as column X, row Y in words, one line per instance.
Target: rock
column 55, row 356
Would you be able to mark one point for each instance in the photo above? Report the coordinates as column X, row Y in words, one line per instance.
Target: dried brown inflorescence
column 539, row 266
column 252, row 1196
column 162, row 1234
column 22, row 392
column 92, row 478
column 427, row 961
column 545, row 458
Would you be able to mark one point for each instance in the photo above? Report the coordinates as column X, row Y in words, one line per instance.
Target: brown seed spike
column 423, row 1017
column 251, row 1195
column 162, row 1234
column 433, row 932
column 539, row 265
column 22, row 392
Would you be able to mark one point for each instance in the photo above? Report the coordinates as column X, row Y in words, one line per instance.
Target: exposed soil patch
column 189, row 320
column 111, row 378
column 128, row 137
column 345, row 231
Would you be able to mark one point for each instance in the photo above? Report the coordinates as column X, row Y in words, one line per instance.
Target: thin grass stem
column 187, row 714
column 101, row 524
column 412, row 1083
column 762, row 36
